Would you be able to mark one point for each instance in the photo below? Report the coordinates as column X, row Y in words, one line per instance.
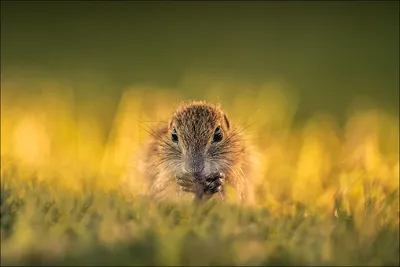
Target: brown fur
column 195, row 123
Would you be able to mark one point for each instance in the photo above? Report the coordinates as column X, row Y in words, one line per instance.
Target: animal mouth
column 197, row 177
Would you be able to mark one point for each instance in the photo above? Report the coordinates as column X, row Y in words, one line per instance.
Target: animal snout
column 198, row 174
column 195, row 169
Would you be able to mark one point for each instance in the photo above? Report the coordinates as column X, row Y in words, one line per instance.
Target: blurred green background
column 328, row 52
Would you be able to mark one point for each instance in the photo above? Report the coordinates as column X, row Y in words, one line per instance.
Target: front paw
column 186, row 184
column 213, row 183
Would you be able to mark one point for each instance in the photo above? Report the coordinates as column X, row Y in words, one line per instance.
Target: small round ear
column 228, row 125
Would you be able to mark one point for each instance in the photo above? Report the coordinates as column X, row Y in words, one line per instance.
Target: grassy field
column 328, row 193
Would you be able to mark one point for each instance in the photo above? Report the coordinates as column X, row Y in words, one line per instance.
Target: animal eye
column 217, row 135
column 174, row 135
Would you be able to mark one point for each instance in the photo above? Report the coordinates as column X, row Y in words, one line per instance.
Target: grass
column 43, row 227
column 326, row 195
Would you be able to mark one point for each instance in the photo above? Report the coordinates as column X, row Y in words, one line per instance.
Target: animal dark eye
column 174, row 135
column 217, row 135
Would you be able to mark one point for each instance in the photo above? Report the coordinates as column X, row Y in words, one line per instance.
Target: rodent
column 200, row 153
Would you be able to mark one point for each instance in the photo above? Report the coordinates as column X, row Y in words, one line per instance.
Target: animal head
column 200, row 140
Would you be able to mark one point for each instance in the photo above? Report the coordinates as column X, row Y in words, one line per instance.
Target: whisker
column 160, row 138
column 244, row 175
column 233, row 172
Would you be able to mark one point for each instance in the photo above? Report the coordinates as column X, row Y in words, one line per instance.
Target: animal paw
column 186, row 184
column 213, row 183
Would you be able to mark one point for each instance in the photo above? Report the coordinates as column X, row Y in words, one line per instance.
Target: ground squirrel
column 198, row 153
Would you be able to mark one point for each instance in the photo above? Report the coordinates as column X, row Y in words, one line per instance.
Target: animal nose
column 198, row 173
column 194, row 164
